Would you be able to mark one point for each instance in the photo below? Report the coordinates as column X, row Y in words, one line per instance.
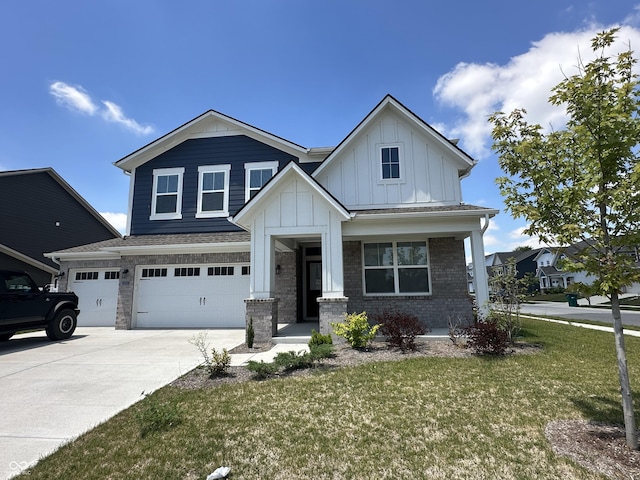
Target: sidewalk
column 631, row 333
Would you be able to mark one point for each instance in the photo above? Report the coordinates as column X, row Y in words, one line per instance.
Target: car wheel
column 62, row 325
column 5, row 336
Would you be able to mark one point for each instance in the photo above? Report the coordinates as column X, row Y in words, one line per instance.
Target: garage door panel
column 212, row 299
column 97, row 292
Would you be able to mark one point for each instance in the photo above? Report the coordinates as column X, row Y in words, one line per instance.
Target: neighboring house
column 549, row 268
column 228, row 223
column 40, row 213
column 497, row 264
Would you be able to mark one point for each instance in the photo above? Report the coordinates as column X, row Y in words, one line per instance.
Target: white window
column 166, row 202
column 256, row 175
column 213, row 191
column 396, row 268
column 390, row 163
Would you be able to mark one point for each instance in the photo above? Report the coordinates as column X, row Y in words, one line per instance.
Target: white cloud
column 524, row 82
column 519, row 239
column 118, row 220
column 76, row 98
column 113, row 113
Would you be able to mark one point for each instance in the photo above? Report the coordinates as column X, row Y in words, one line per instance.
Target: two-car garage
column 166, row 296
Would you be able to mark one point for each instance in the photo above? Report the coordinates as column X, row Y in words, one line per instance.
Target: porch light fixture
column 125, row 271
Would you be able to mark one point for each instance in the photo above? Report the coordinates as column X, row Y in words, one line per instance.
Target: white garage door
column 97, row 292
column 187, row 296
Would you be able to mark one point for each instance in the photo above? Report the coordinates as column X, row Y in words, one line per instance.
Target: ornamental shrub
column 262, row 369
column 356, row 330
column 250, row 333
column 400, row 329
column 319, row 339
column 487, row 337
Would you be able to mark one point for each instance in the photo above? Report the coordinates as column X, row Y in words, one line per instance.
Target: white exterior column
column 262, row 266
column 332, row 263
column 480, row 283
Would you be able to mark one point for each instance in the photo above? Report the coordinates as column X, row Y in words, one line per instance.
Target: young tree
column 582, row 183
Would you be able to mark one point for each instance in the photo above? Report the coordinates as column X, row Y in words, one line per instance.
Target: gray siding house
column 228, row 222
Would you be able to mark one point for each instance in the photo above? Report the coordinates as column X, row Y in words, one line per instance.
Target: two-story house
column 228, row 223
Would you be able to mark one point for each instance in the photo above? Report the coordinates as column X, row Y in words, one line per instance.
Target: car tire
column 5, row 336
column 62, row 325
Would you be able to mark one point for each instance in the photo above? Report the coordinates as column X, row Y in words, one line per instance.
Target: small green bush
column 356, row 330
column 217, row 363
column 250, row 334
column 319, row 339
column 262, row 369
column 155, row 415
column 323, row 350
column 293, row 360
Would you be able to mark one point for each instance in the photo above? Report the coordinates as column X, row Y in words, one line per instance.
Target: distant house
column 39, row 213
column 552, row 275
column 496, row 263
column 228, row 222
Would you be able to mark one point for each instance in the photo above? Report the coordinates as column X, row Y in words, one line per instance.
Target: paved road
column 560, row 309
column 51, row 392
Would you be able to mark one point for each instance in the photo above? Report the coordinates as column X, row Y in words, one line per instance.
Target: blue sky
column 85, row 83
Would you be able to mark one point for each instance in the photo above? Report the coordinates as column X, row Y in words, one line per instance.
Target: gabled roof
column 207, row 125
column 465, row 162
column 289, row 170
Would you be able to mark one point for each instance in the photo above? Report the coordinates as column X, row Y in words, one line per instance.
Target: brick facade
column 263, row 312
column 449, row 297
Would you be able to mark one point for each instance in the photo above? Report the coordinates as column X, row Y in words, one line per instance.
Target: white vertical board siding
column 428, row 173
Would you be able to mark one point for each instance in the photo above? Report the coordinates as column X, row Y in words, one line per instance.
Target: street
column 563, row 310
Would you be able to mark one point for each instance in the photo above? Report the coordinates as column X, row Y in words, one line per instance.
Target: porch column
column 332, row 263
column 331, row 310
column 261, row 308
column 480, row 283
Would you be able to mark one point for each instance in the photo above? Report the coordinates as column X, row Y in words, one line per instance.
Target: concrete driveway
column 51, row 392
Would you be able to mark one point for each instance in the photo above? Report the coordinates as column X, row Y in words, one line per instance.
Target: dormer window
column 166, row 202
column 390, row 163
column 213, row 191
column 256, row 175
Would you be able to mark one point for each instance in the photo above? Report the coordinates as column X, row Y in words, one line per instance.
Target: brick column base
column 264, row 312
column 332, row 310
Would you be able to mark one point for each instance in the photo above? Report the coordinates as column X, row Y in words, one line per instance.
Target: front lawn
column 436, row 418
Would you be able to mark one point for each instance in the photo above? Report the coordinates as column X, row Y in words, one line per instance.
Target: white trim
column 30, row 261
column 248, row 167
column 395, row 266
column 132, row 182
column 162, row 172
column 226, row 169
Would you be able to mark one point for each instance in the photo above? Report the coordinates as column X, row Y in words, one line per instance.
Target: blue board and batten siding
column 232, row 150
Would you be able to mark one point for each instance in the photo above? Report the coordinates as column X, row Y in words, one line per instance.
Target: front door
column 313, row 288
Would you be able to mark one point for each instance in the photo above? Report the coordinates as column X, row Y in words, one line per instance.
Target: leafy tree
column 523, row 248
column 582, row 183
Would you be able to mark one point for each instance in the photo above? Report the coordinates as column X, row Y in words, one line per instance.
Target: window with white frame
column 213, row 191
column 396, row 268
column 166, row 202
column 390, row 163
column 256, row 175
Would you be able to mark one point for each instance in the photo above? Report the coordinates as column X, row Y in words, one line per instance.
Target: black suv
column 24, row 306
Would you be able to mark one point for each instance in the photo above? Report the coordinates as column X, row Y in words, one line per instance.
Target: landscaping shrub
column 250, row 334
column 319, row 339
column 457, row 332
column 400, row 329
column 293, row 360
column 356, row 329
column 155, row 415
column 262, row 369
column 487, row 337
column 217, row 363
column 323, row 350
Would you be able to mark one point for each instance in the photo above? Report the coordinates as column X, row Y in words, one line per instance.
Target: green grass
column 549, row 297
column 436, row 418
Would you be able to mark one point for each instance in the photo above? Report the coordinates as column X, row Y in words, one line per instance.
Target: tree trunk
column 625, row 387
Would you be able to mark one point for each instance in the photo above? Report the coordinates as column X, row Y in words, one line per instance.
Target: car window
column 18, row 284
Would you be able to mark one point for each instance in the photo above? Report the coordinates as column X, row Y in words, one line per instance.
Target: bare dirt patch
column 598, row 447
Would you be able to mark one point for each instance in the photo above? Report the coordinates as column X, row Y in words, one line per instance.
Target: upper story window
column 396, row 268
column 213, row 191
column 166, row 203
column 390, row 163
column 256, row 175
